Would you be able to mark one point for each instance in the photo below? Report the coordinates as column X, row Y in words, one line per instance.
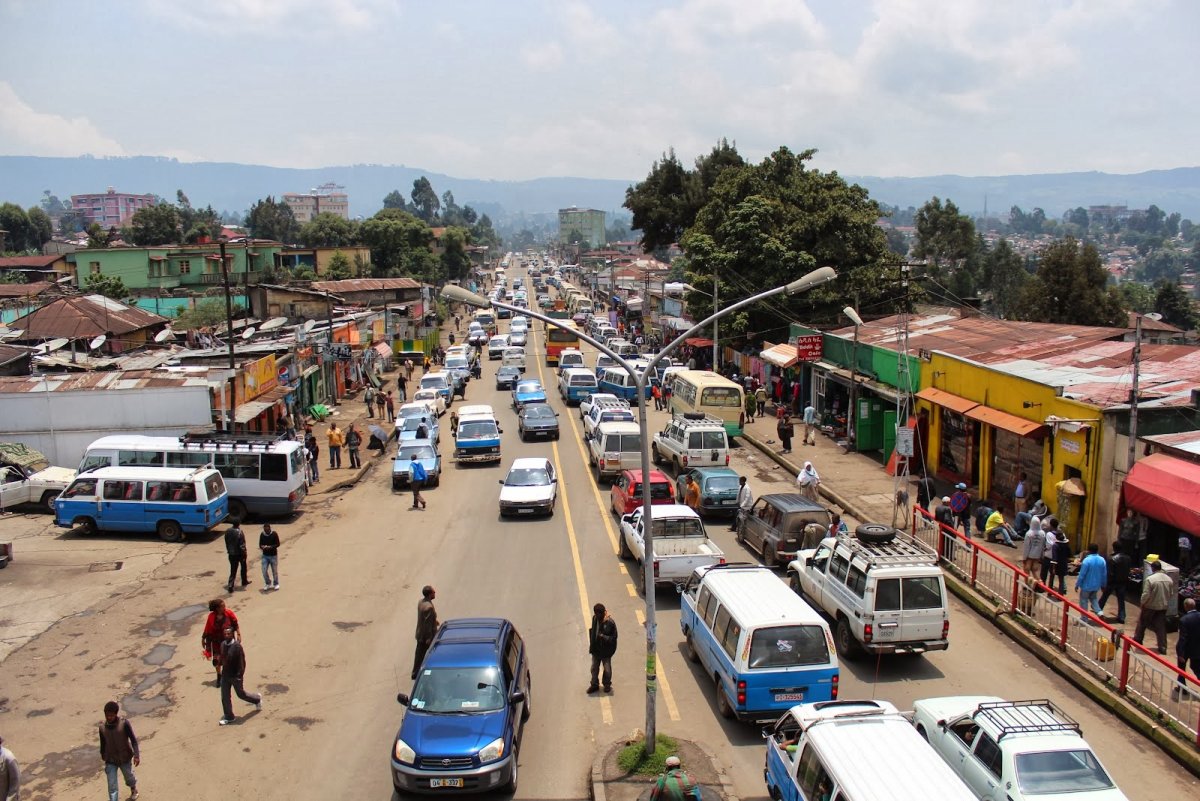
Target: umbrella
column 378, row 438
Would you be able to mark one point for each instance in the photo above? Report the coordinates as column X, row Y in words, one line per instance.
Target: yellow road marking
column 661, row 675
column 632, row 590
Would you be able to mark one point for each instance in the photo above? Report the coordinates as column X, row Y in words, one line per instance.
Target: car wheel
column 624, row 548
column 48, row 501
column 739, row 534
column 675, row 463
column 237, row 511
column 875, row 533
column 85, row 525
column 170, row 531
column 526, row 709
column 847, row 646
column 921, row 731
column 511, row 787
column 723, row 705
column 689, row 650
column 794, row 581
column 655, row 456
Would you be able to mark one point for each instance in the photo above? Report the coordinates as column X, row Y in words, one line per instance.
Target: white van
column 574, row 383
column 614, row 447
column 513, row 357
column 570, row 357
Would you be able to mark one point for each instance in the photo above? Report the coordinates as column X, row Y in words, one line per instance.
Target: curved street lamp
column 815, row 278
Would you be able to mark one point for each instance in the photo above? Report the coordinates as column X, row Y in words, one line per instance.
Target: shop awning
column 941, row 397
column 698, row 342
column 1009, row 422
column 674, row 323
column 780, row 355
column 383, row 349
column 842, row 376
column 245, row 412
column 1165, row 488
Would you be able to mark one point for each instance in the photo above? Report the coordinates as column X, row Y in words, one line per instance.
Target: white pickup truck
column 680, row 544
column 27, row 477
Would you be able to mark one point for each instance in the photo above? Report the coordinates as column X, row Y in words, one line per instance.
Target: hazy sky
column 512, row 89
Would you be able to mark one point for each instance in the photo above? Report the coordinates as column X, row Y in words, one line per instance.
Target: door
column 13, row 489
column 889, row 610
column 122, row 507
column 924, row 601
column 753, row 528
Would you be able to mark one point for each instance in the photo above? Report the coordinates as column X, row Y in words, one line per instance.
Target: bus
column 558, row 339
column 171, row 501
column 264, row 474
column 705, row 392
column 579, row 304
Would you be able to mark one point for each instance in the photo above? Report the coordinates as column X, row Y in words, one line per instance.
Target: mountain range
column 234, row 187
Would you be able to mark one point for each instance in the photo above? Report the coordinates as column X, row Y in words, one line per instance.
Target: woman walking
column 214, row 632
column 808, row 481
column 786, row 431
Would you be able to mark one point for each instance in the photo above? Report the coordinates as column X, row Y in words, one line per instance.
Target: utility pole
column 1133, row 394
column 716, row 308
column 329, row 349
column 229, row 338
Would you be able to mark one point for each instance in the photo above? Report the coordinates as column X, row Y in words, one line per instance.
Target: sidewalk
column 351, row 410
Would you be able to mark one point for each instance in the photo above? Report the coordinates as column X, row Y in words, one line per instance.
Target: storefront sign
column 904, row 441
column 1069, row 445
column 261, row 376
column 808, row 347
column 340, row 352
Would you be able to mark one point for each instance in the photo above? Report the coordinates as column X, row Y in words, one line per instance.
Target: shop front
column 1165, row 489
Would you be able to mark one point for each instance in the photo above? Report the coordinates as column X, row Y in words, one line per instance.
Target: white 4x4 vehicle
column 1014, row 750
column 883, row 590
column 691, row 440
column 26, row 476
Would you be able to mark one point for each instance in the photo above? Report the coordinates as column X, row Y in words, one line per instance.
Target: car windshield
column 418, row 411
column 538, row 411
column 527, row 477
column 459, row 690
column 433, row 382
column 529, row 386
column 476, row 428
column 413, row 423
column 721, row 483
column 456, row 362
column 788, row 646
column 1046, row 772
column 421, row 451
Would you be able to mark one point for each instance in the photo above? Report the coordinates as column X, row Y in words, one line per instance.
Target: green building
column 169, row 267
column 589, row 223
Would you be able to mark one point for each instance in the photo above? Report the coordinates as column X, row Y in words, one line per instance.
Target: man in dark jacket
column 235, row 549
column 602, row 644
column 926, row 491
column 1187, row 649
column 233, row 672
column 427, row 625
column 353, row 443
column 119, row 750
column 1119, row 565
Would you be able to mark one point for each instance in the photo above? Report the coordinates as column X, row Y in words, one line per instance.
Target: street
column 331, row 649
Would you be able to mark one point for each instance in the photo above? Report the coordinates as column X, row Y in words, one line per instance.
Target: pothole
column 159, row 654
column 104, row 567
column 185, row 612
column 303, row 724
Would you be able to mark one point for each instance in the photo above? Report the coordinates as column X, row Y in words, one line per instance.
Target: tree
column 327, row 230
column 155, row 225
column 271, row 219
column 896, row 241
column 1071, row 286
column 1079, row 217
column 395, row 200
column 1162, row 265
column 943, row 234
column 98, row 237
column 396, row 239
column 483, row 233
column 1173, row 303
column 617, row 232
column 15, row 221
column 13, row 278
column 339, row 267
column 52, row 205
column 456, row 262
column 199, row 225
column 41, row 227
column 1136, row 296
column 425, row 200
column 1005, row 278
column 110, row 286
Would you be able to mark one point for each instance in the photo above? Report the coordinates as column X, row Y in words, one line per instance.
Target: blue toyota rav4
column 462, row 725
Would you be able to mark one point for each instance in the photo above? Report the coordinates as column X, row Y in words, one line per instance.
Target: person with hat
column 1156, row 596
column 674, row 784
column 960, row 505
column 944, row 512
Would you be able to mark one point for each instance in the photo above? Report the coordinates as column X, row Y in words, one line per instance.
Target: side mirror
column 500, row 430
column 403, row 699
column 808, row 562
column 516, row 697
column 765, row 731
column 500, row 481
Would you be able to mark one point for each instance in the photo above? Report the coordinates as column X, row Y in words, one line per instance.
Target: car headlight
column 404, row 754
column 492, row 751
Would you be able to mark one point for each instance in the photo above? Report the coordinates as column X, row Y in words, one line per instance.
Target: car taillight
column 727, row 458
column 685, row 460
column 721, row 561
column 741, row 693
column 656, row 568
column 835, row 687
column 292, row 496
column 945, row 628
column 868, row 632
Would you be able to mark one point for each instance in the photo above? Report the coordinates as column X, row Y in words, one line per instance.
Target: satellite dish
column 97, row 342
column 164, row 335
column 249, row 332
column 1153, row 316
column 309, row 325
column 55, row 344
column 273, row 323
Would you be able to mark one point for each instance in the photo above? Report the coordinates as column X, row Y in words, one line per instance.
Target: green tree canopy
column 399, row 243
column 1071, row 286
column 271, row 219
column 110, row 286
column 15, row 221
column 205, row 314
column 339, row 267
column 1136, row 296
column 425, row 201
column 456, row 262
column 42, row 227
column 943, row 234
column 1004, row 278
column 395, row 200
column 155, row 225
column 1175, row 306
column 327, row 230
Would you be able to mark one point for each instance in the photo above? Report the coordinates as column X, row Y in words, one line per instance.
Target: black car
column 537, row 420
column 507, row 376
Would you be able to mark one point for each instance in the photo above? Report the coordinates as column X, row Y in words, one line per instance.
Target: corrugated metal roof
column 24, row 290
column 84, row 316
column 10, row 353
column 366, row 284
column 82, row 382
column 31, row 261
column 1186, row 441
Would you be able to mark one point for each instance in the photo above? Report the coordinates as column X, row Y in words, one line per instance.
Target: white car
column 1014, row 750
column 530, row 487
column 518, row 338
column 432, row 399
column 586, row 404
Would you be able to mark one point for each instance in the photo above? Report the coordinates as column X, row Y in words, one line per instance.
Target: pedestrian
column 219, row 618
column 423, row 428
column 417, row 475
column 602, row 644
column 691, row 495
column 268, row 544
column 1021, row 493
column 380, row 403
column 1062, row 559
column 233, row 676
column 119, row 751
column 666, row 393
column 674, row 784
column 745, row 499
column 944, row 512
column 786, row 431
column 353, row 443
column 926, row 491
column 837, row 526
column 1090, row 581
column 996, row 528
column 314, row 453
column 1187, row 647
column 1119, row 566
column 402, row 388
column 427, row 626
column 408, row 369
column 10, row 775
column 425, row 365
column 760, row 397
column 336, row 439
column 235, row 549
column 751, row 406
column 287, row 422
column 369, row 400
column 656, row 393
column 960, row 505
column 389, row 403
column 1032, row 548
column 1048, row 554
column 810, row 423
column 808, row 481
column 457, row 325
column 1156, row 595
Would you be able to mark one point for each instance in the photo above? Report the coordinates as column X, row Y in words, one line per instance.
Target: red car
column 626, row 491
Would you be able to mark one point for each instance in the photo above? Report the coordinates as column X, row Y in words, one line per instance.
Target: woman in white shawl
column 808, row 481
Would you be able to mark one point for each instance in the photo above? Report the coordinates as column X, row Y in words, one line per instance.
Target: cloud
column 273, row 17
column 543, row 58
column 25, row 130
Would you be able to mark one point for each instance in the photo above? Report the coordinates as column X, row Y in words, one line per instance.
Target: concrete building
column 588, row 222
column 317, row 259
column 169, row 267
column 110, row 208
column 325, row 199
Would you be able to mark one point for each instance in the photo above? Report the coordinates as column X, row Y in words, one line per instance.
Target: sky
column 520, row 89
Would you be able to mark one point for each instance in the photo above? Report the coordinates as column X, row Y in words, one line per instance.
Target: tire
column 624, row 548
column 170, row 531
column 723, row 705
column 689, row 650
column 921, row 731
column 794, row 582
column 47, row 501
column 739, row 536
column 655, row 456
column 847, row 646
column 639, row 578
column 526, row 710
column 511, row 787
column 86, row 525
column 875, row 533
column 675, row 462
column 237, row 512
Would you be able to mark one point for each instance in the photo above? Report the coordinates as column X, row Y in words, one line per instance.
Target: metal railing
column 1141, row 675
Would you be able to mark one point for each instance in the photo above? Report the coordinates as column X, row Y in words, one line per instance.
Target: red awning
column 698, row 342
column 1009, row 422
column 949, row 400
column 1166, row 489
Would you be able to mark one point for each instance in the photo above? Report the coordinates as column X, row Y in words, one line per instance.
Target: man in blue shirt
column 1093, row 573
column 417, row 476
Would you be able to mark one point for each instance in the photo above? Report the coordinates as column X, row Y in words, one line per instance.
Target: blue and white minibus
column 171, row 501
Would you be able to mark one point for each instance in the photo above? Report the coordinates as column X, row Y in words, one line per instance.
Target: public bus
column 579, row 304
column 264, row 474
column 705, row 392
column 559, row 339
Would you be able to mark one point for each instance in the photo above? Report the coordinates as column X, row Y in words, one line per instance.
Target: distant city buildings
column 587, row 223
column 325, row 199
column 111, row 208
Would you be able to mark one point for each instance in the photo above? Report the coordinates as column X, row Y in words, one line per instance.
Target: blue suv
column 462, row 725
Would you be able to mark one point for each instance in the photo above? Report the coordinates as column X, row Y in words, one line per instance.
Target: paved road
column 332, row 648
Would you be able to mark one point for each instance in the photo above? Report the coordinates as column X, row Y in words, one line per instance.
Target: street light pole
column 229, row 338
column 716, row 307
column 812, row 279
column 852, row 415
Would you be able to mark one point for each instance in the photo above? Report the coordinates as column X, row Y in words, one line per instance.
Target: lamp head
column 853, row 315
column 817, row 277
column 459, row 295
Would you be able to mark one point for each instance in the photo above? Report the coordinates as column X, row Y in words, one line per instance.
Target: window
column 185, row 267
column 988, row 753
column 94, row 266
column 188, row 459
column 1060, row 772
column 122, row 490
column 214, row 486
column 274, row 467
column 788, row 646
column 95, row 463
column 237, row 465
column 722, row 623
column 83, row 488
column 838, row 567
column 922, row 592
column 857, row 581
column 812, row 776
column 887, row 595
column 703, row 602
column 140, row 458
column 730, row 641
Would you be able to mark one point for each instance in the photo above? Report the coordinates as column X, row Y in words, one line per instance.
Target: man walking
column 1119, row 566
column 691, row 496
column 1032, row 549
column 1090, row 581
column 427, row 626
column 1187, row 648
column 925, row 491
column 760, row 397
column 1021, row 494
column 1156, row 595
column 336, row 439
column 353, row 443
column 119, row 751
column 786, row 431
column 960, row 504
column 10, row 775
column 381, row 403
column 602, row 644
column 745, row 499
column 369, row 400
column 417, row 476
column 390, row 404
column 233, row 674
column 235, row 549
column 674, row 784
column 314, row 455
column 402, row 387
column 268, row 543
column 810, row 424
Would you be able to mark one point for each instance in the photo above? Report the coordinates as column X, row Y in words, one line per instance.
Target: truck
column 680, row 544
column 26, row 476
column 883, row 590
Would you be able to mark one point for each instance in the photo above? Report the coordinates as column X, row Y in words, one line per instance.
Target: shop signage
column 341, row 352
column 808, row 347
column 261, row 376
column 904, row 441
column 1069, row 445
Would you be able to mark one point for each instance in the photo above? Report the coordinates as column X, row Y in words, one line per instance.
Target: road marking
column 632, row 590
column 605, row 511
column 606, row 710
column 661, row 675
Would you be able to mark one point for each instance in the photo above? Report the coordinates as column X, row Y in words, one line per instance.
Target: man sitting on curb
column 996, row 525
column 675, row 784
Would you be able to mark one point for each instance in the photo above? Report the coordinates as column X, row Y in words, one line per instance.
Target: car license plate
column 729, row 501
column 886, row 634
column 435, row 783
column 781, row 697
column 524, row 511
